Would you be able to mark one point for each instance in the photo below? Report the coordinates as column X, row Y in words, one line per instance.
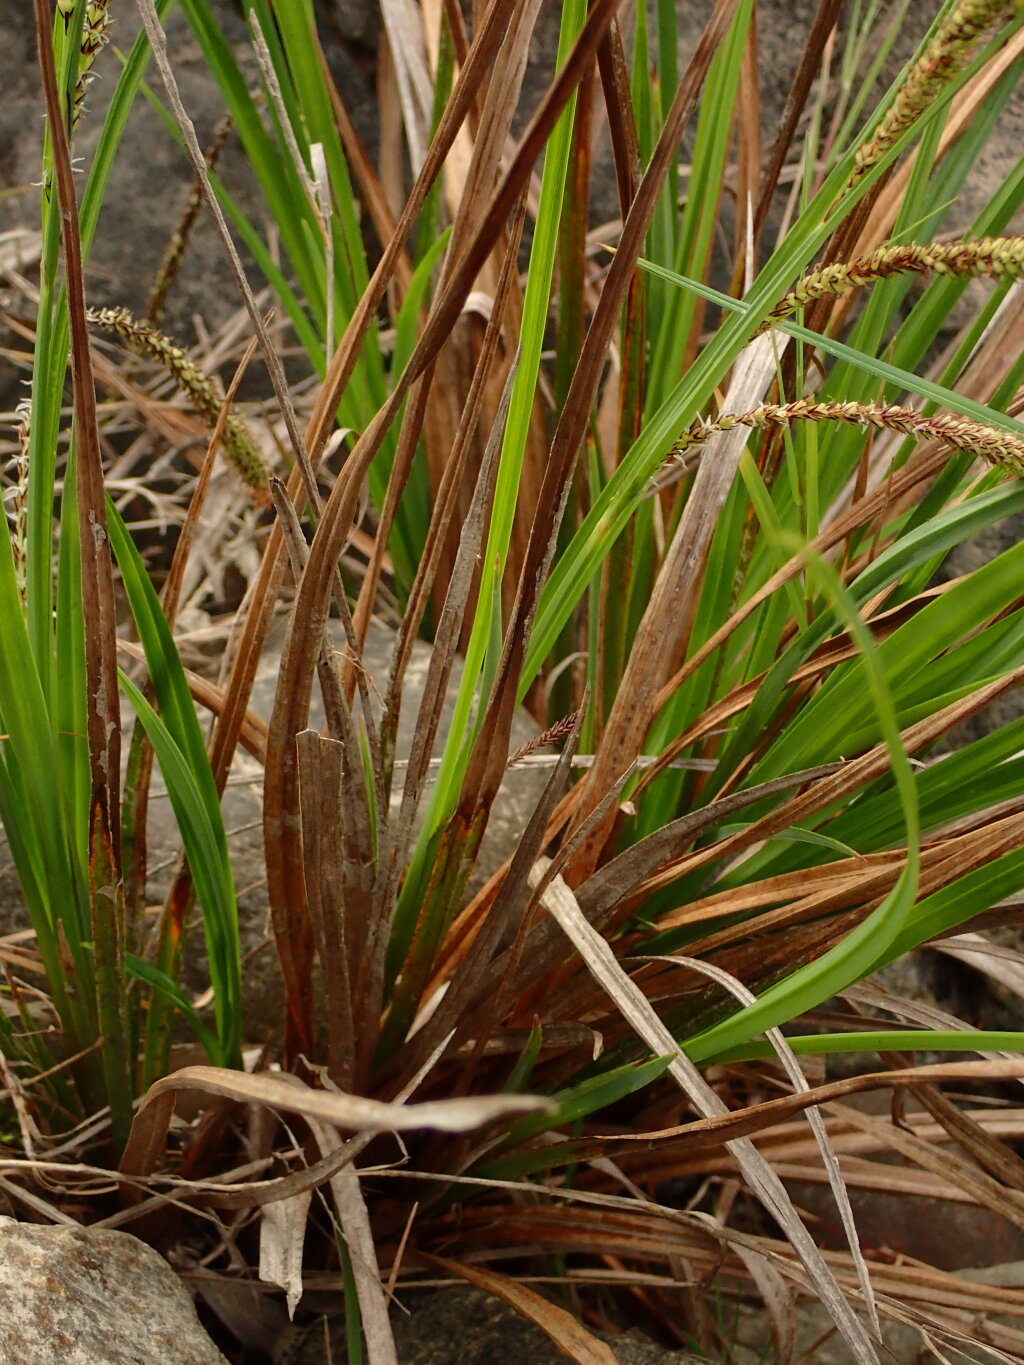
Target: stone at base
column 90, row 1296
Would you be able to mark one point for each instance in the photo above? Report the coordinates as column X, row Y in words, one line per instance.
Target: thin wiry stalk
column 158, row 42
column 170, row 266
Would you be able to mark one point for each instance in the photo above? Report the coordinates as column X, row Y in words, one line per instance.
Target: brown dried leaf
column 321, row 773
column 563, row 1329
column 509, row 911
column 851, row 777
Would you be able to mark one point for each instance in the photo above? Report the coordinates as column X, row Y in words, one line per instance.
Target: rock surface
column 81, row 1296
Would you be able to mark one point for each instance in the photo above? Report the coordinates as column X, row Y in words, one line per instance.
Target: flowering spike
column 16, row 496
column 171, row 263
column 999, row 448
column 94, row 38
column 945, row 56
column 998, row 257
column 239, row 446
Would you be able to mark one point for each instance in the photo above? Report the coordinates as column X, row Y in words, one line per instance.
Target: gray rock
column 89, row 1296
column 352, row 22
column 818, row 1342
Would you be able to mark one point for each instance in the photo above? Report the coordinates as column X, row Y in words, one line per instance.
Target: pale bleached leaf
column 348, row 1112
column 829, row 1159
column 282, row 1236
column 355, row 1228
column 634, row 1006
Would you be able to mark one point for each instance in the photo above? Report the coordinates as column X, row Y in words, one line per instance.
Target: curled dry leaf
column 563, row 1329
column 282, row 1237
column 349, row 1112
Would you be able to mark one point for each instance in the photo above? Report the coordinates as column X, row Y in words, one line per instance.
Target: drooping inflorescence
column 999, row 448
column 170, row 266
column 998, row 257
column 945, row 56
column 240, row 448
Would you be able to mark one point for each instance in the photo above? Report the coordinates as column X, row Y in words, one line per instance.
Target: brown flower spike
column 999, row 448
column 945, row 56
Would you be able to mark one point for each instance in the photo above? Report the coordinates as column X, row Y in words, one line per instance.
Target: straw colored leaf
column 282, row 1238
column 358, row 1235
column 568, row 1335
column 350, row 1112
column 601, row 962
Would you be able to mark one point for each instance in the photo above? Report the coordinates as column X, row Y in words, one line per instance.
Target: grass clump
column 743, row 665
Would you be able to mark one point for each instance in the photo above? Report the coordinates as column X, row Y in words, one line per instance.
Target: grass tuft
column 606, row 1047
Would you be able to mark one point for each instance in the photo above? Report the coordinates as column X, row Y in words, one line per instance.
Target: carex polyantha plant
column 737, row 666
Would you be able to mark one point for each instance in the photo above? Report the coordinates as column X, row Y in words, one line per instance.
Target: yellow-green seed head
column 240, row 448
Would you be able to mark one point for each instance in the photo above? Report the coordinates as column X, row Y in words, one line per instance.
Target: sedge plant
column 681, row 490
